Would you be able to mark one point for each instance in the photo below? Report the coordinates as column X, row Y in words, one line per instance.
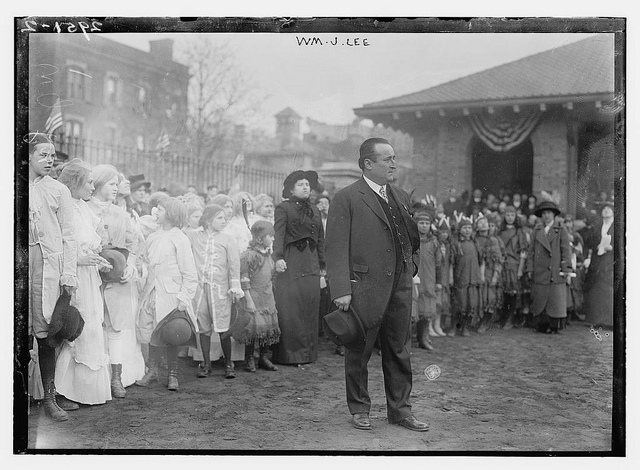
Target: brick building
column 544, row 122
column 109, row 92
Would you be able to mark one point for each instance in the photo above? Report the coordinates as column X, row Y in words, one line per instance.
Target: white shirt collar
column 548, row 226
column 375, row 186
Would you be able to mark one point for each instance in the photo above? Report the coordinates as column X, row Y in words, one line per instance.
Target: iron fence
column 173, row 171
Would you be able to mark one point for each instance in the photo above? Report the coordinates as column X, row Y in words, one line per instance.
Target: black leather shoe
column 411, row 423
column 361, row 421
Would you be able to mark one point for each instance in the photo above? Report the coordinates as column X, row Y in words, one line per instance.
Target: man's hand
column 281, row 266
column 343, row 302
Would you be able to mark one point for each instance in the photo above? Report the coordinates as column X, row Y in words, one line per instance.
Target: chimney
column 162, row 48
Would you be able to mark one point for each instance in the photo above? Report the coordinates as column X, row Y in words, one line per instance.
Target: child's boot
column 437, row 327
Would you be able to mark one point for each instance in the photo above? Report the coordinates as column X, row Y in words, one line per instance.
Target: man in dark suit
column 371, row 248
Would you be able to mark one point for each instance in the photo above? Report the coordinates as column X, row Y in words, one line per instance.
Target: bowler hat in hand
column 117, row 257
column 66, row 322
column 344, row 328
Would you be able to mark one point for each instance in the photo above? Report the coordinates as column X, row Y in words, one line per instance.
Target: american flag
column 239, row 160
column 54, row 120
column 163, row 141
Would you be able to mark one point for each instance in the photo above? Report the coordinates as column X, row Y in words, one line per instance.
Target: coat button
column 303, row 275
column 388, row 250
column 41, row 234
column 388, row 273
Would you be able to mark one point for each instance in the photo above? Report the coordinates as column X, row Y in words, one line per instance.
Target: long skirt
column 297, row 303
column 598, row 299
column 82, row 367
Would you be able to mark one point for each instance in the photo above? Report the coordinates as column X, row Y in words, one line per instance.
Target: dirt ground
column 503, row 391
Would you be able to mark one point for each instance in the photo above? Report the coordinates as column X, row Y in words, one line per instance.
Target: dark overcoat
column 548, row 256
column 360, row 252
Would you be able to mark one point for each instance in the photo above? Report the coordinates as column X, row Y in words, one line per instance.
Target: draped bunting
column 502, row 132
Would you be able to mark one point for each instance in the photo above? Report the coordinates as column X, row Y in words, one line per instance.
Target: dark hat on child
column 344, row 328
column 66, row 321
column 291, row 180
column 547, row 206
column 422, row 214
column 117, row 257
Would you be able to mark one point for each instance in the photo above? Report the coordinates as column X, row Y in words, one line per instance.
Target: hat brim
column 539, row 212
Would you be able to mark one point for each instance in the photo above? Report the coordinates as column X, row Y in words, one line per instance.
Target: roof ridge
column 467, row 77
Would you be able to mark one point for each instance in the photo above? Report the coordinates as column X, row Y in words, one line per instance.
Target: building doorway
column 495, row 172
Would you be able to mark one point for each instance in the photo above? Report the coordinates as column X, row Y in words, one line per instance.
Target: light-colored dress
column 121, row 299
column 172, row 279
column 223, row 274
column 82, row 368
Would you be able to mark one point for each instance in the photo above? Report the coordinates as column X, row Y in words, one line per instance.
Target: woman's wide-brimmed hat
column 66, row 322
column 547, row 206
column 291, row 180
column 344, row 328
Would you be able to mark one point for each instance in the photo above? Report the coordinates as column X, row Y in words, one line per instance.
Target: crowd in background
column 149, row 276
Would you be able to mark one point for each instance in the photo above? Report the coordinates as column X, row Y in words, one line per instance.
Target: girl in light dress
column 169, row 291
column 218, row 264
column 120, row 298
column 82, row 368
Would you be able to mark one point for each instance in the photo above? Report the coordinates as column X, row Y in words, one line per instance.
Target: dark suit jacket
column 359, row 249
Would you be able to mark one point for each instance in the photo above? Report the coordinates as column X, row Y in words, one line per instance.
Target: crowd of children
column 477, row 265
column 155, row 277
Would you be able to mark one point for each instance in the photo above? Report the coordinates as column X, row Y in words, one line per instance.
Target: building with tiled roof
column 524, row 126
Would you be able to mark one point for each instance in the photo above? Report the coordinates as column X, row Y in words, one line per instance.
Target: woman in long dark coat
column 549, row 268
column 299, row 253
column 598, row 302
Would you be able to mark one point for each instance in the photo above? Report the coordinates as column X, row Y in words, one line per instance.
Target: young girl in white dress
column 82, row 369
